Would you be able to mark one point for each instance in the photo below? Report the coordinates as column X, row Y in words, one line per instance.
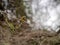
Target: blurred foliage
column 18, row 23
column 20, row 8
column 55, row 41
column 20, row 13
column 10, row 25
column 33, row 42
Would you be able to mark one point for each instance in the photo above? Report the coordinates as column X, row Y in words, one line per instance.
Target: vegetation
column 21, row 32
